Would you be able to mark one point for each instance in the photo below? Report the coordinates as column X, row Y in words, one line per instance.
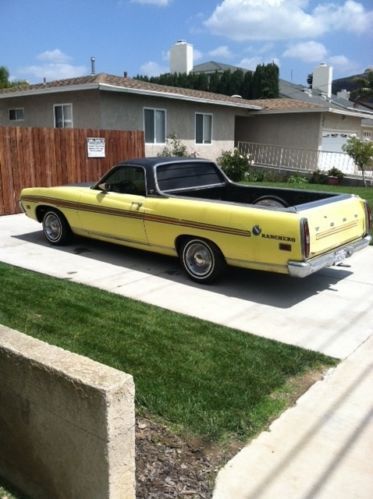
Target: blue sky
column 56, row 38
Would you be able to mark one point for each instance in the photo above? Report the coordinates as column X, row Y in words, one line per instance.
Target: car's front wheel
column 202, row 260
column 56, row 228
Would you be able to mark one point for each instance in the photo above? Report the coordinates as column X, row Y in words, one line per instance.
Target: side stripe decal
column 147, row 217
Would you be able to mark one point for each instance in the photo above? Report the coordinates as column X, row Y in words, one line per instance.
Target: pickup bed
column 190, row 209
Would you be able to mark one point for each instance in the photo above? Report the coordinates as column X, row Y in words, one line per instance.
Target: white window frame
column 154, row 109
column 16, row 109
column 63, row 104
column 204, row 142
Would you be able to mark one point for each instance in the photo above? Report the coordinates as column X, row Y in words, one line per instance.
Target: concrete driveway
column 331, row 311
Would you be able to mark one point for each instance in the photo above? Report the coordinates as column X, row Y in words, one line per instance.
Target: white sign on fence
column 96, row 147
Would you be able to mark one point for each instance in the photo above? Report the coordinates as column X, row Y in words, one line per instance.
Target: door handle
column 137, row 204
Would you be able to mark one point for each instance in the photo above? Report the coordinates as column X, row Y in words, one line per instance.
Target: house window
column 63, row 115
column 155, row 126
column 203, row 128
column 16, row 114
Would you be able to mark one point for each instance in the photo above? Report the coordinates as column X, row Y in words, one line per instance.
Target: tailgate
column 335, row 224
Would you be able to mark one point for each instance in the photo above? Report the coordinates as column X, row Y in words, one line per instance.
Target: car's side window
column 127, row 180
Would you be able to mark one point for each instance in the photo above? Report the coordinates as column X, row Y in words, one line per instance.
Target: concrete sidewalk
column 321, row 448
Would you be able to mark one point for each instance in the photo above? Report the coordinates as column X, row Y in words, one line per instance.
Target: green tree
column 4, row 77
column 6, row 83
column 361, row 151
column 262, row 84
column 214, row 82
column 247, row 84
column 237, row 79
column 365, row 90
column 257, row 82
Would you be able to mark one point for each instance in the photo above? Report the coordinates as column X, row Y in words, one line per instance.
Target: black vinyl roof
column 149, row 163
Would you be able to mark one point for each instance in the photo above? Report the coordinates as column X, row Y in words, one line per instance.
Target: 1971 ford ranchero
column 190, row 209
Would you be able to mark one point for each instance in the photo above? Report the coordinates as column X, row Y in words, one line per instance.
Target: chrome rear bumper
column 303, row 269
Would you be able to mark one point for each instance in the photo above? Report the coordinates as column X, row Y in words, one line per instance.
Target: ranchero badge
column 257, row 230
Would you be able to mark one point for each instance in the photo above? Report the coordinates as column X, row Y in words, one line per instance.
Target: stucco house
column 207, row 123
column 204, row 121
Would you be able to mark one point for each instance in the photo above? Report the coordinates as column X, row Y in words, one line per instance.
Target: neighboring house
column 342, row 120
column 212, row 67
column 338, row 120
column 367, row 128
column 204, row 121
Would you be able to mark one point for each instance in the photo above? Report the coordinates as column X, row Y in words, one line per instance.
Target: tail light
column 368, row 217
column 305, row 237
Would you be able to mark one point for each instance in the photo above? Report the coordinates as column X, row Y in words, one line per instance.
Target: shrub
column 234, row 164
column 254, row 175
column 334, row 172
column 318, row 177
column 174, row 147
column 297, row 180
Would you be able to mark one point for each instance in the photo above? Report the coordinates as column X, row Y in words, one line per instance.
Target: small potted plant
column 335, row 176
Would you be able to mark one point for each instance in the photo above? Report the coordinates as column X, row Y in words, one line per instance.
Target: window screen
column 203, row 128
column 155, row 126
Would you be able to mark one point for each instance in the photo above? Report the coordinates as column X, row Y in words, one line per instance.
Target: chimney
column 344, row 94
column 181, row 57
column 322, row 80
column 93, row 65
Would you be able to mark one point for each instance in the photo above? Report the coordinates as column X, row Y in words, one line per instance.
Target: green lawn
column 200, row 378
column 364, row 192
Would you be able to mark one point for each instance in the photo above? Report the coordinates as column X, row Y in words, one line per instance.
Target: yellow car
column 190, row 209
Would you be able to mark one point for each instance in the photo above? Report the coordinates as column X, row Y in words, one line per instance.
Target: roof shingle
column 105, row 80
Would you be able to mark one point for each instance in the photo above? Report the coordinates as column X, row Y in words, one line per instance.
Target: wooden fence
column 53, row 156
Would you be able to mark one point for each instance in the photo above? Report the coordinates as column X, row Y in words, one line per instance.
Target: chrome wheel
column 201, row 260
column 55, row 227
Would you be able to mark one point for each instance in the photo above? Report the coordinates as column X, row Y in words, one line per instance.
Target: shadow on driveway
column 264, row 288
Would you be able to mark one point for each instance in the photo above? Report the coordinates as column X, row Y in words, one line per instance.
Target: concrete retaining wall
column 67, row 423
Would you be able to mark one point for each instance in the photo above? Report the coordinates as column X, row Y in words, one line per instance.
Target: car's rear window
column 177, row 176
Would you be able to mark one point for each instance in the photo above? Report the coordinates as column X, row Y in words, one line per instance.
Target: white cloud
column 53, row 71
column 351, row 16
column 343, row 64
column 315, row 52
column 197, row 55
column 158, row 3
column 339, row 60
column 152, row 68
column 222, row 51
column 243, row 20
column 55, row 65
column 307, row 51
column 253, row 62
column 54, row 56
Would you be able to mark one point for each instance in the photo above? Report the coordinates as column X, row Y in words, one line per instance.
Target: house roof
column 106, row 82
column 333, row 103
column 212, row 66
column 111, row 83
column 289, row 105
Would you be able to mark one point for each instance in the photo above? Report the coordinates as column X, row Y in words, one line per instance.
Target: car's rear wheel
column 202, row 260
column 56, row 228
